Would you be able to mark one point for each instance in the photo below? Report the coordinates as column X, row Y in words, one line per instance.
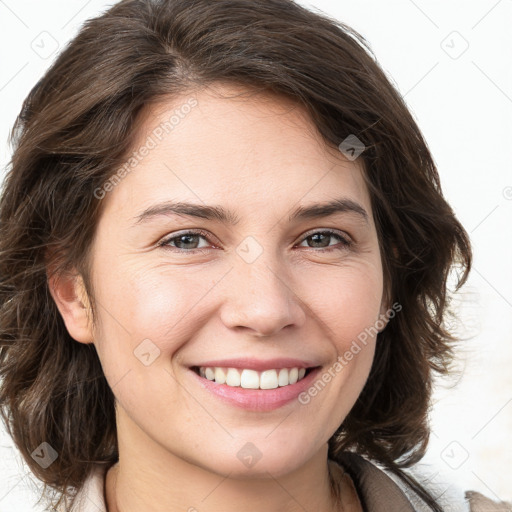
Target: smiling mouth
column 252, row 379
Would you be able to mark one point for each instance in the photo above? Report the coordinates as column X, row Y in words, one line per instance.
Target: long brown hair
column 74, row 131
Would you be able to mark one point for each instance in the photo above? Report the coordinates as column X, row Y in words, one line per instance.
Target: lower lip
column 257, row 399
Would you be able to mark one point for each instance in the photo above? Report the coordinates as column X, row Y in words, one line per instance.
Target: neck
column 154, row 480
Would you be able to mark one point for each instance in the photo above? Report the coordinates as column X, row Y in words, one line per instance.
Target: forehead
column 235, row 146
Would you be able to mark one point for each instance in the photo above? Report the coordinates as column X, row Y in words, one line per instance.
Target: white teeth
column 251, row 379
column 283, row 377
column 268, row 379
column 220, row 375
column 233, row 378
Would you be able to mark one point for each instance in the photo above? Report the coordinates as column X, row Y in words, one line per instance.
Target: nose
column 261, row 300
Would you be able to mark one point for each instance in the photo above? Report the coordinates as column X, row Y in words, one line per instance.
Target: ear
column 68, row 292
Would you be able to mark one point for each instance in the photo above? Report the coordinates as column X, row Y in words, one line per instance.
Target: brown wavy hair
column 74, row 131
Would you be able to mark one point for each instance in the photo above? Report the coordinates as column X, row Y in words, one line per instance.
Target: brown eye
column 321, row 240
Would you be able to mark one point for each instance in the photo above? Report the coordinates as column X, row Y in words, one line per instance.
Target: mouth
column 257, row 391
column 253, row 383
column 246, row 378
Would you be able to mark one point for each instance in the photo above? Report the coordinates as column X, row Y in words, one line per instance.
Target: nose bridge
column 260, row 296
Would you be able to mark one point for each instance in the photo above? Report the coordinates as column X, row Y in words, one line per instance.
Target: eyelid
column 182, row 232
column 346, row 240
column 342, row 234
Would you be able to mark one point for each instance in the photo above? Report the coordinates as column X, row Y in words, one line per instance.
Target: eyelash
column 346, row 243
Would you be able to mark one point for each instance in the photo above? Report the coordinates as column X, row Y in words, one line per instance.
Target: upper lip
column 258, row 364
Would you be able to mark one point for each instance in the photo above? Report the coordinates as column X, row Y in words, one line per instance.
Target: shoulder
column 479, row 503
column 377, row 491
column 381, row 492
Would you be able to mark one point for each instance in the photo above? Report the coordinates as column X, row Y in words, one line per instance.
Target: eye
column 322, row 238
column 187, row 241
column 184, row 240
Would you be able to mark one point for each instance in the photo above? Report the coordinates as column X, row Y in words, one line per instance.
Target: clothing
column 377, row 491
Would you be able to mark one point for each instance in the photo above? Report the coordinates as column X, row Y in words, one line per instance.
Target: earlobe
column 68, row 292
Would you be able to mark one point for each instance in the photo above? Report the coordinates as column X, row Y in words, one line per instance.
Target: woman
column 224, row 252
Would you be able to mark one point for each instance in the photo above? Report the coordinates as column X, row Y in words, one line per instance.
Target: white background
column 451, row 60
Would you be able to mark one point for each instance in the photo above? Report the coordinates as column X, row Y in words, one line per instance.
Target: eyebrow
column 220, row 214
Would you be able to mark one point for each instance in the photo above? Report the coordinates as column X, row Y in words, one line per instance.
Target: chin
column 249, row 462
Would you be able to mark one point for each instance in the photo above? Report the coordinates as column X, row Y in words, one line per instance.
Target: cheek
column 347, row 299
column 151, row 303
column 349, row 310
column 347, row 302
column 146, row 316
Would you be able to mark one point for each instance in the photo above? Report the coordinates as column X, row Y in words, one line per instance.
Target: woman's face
column 260, row 286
